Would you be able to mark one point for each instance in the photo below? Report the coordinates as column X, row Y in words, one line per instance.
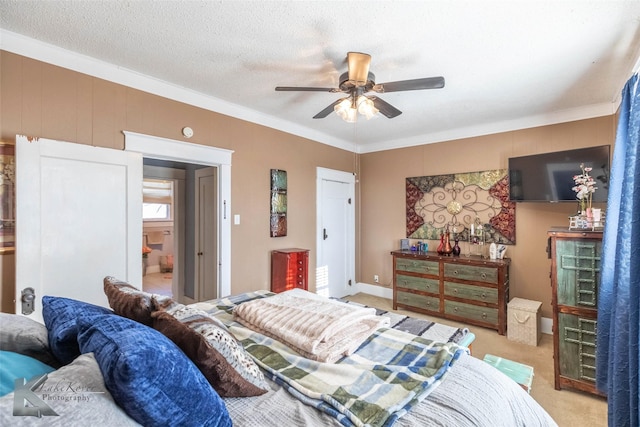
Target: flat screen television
column 548, row 177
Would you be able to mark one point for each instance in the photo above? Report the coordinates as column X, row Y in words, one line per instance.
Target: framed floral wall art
column 7, row 197
column 458, row 200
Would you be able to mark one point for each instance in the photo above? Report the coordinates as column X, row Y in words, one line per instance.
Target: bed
column 151, row 361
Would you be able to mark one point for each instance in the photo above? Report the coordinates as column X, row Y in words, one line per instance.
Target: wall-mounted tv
column 548, row 177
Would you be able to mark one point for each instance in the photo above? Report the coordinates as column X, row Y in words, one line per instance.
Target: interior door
column 206, row 234
column 335, row 271
column 79, row 220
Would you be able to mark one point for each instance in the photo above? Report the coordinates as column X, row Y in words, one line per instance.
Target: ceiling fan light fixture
column 358, row 64
column 345, row 110
column 348, row 110
column 366, row 107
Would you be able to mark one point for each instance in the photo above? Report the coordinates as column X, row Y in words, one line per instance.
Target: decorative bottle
column 456, row 247
column 440, row 249
column 447, row 244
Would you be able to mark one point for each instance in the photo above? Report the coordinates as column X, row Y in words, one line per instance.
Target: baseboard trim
column 374, row 290
column 546, row 323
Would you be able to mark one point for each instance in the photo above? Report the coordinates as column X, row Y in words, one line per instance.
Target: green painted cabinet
column 575, row 277
column 469, row 289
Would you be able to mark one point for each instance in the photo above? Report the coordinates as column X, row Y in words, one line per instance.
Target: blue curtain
column 617, row 356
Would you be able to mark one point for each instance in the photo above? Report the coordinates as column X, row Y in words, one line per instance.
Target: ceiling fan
column 357, row 82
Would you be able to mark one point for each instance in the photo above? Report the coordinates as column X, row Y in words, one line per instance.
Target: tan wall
column 382, row 182
column 39, row 99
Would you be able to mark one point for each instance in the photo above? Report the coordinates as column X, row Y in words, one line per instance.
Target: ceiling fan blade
column 324, row 113
column 358, row 66
column 415, row 84
column 306, row 89
column 385, row 108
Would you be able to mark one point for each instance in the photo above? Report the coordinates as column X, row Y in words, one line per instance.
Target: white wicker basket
column 523, row 321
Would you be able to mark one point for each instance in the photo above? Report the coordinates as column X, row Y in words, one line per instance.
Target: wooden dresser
column 575, row 278
column 468, row 289
column 289, row 269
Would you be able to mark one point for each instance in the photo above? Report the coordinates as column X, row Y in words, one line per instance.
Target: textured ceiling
column 507, row 64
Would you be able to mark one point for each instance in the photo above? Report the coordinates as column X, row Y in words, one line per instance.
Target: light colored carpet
column 568, row 408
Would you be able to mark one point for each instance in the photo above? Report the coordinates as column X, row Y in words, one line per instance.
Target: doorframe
column 324, row 174
column 155, row 147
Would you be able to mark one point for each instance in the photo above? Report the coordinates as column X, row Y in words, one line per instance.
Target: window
column 157, row 200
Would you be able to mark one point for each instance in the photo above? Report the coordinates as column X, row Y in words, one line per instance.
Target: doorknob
column 28, row 301
column 324, row 234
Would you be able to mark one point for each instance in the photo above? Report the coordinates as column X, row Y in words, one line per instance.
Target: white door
column 79, row 220
column 206, row 240
column 335, row 260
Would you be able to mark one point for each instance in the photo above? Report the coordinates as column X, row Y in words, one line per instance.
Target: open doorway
column 191, row 157
column 179, row 232
column 162, row 187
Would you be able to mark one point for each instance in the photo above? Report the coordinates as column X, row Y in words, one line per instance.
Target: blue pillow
column 148, row 375
column 60, row 316
column 14, row 366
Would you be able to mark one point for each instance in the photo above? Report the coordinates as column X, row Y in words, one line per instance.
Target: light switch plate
column 236, row 219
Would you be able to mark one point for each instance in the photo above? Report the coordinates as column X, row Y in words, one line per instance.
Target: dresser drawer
column 470, row 292
column 471, row 272
column 418, row 266
column 418, row 283
column 473, row 312
column 419, row 301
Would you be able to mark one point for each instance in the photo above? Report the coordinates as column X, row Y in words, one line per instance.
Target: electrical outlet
column 376, row 279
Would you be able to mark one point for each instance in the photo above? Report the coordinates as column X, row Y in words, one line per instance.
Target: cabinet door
column 577, row 346
column 578, row 272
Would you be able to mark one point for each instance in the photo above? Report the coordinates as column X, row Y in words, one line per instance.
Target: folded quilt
column 381, row 381
column 318, row 328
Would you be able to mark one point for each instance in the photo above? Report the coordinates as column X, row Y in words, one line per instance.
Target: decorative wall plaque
column 459, row 200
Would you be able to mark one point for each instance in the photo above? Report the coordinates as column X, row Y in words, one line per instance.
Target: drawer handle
column 483, row 275
column 455, row 290
column 427, row 303
column 484, row 316
column 483, row 296
column 455, row 272
column 455, row 309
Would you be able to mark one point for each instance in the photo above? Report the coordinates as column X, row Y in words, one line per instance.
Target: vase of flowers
column 584, row 187
column 146, row 250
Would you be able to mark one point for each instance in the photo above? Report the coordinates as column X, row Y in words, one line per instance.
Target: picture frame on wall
column 7, row 197
column 278, row 226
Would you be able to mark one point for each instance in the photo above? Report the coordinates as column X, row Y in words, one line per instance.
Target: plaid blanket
column 389, row 374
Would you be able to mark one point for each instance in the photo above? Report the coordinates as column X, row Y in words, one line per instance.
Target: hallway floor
column 158, row 283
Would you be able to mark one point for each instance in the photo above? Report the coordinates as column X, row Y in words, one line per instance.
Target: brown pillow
column 213, row 349
column 133, row 303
